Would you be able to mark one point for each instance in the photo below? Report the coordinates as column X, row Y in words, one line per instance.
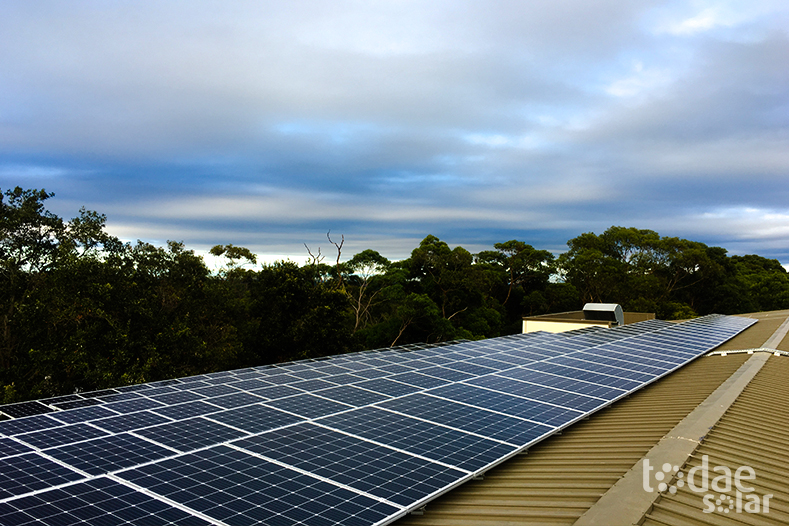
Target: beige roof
column 563, row 478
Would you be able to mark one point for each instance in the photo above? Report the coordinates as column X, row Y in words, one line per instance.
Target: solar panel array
column 360, row 438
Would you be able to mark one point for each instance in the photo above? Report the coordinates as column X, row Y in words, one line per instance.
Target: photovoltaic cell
column 187, row 410
column 276, row 391
column 565, row 383
column 389, row 387
column 419, row 380
column 345, row 378
column 312, row 385
column 585, row 375
column 447, row 374
column 137, row 404
column 82, row 402
column 236, row 400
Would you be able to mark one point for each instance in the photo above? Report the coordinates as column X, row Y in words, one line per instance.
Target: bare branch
column 340, row 284
column 458, row 312
column 314, row 259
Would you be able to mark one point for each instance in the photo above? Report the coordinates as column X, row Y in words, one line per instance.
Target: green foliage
column 80, row 310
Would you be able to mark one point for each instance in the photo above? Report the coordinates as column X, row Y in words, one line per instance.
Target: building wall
column 560, row 325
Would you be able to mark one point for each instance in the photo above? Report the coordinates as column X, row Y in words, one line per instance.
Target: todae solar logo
column 723, row 492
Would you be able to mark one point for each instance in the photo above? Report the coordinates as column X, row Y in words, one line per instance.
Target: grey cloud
column 397, row 119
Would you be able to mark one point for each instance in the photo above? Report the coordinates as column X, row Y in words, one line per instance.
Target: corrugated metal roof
column 753, row 433
column 564, row 476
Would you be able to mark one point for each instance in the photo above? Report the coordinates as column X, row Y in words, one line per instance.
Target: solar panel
column 361, row 438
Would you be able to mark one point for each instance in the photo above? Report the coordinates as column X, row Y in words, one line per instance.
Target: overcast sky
column 266, row 124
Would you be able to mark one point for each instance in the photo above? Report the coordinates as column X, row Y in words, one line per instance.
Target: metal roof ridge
column 627, row 501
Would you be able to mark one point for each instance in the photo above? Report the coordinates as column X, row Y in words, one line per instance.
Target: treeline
column 80, row 310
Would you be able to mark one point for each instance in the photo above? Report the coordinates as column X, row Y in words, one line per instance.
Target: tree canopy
column 80, row 310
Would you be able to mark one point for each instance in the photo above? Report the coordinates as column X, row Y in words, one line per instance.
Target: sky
column 269, row 124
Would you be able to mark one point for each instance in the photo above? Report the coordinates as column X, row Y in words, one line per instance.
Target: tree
column 365, row 284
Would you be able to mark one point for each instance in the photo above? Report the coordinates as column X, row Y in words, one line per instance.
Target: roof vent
column 604, row 312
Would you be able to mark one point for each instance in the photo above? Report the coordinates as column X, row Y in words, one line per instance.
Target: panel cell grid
column 383, row 472
column 27, row 424
column 188, row 410
column 61, row 435
column 348, row 394
column 479, row 421
column 100, row 501
column 420, row 380
column 239, row 488
column 308, row 406
column 10, row 447
column 130, row 422
column 25, row 409
column 83, row 414
column 565, row 383
column 83, row 402
column 130, row 406
column 538, row 392
column 389, row 387
column 255, row 418
column 30, row 472
column 429, row 440
column 540, row 412
column 107, row 454
column 275, row 391
column 188, row 435
column 249, row 384
column 236, row 400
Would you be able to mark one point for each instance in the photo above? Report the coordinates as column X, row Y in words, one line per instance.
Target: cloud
column 391, row 120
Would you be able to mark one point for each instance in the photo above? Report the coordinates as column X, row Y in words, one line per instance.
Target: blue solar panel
column 111, row 453
column 255, row 418
column 10, row 447
column 376, row 470
column 429, row 440
column 29, row 472
column 130, row 422
column 240, row 488
column 188, row 435
column 353, row 439
column 466, row 418
column 543, row 413
column 99, row 501
column 308, row 406
column 61, row 435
